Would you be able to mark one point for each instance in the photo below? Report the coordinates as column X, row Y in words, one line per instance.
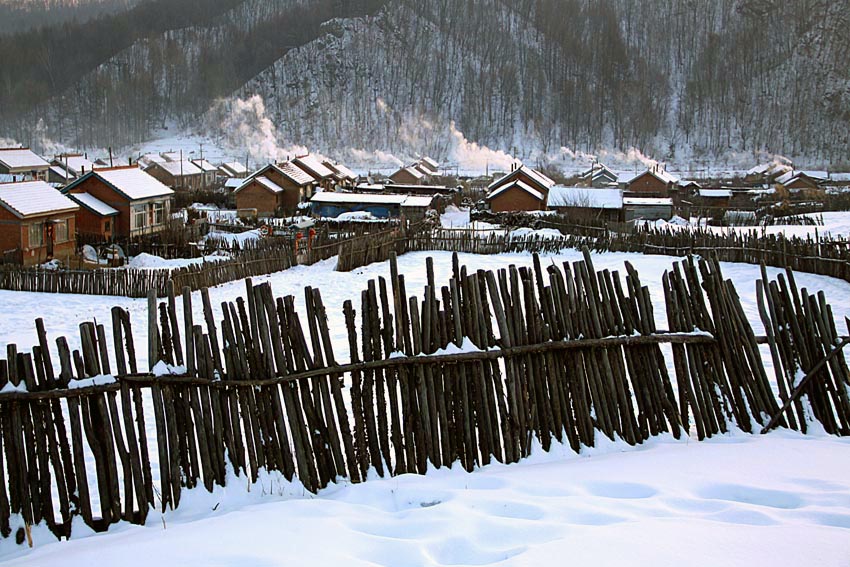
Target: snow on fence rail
column 477, row 370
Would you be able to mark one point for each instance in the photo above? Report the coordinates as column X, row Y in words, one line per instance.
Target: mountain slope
column 681, row 80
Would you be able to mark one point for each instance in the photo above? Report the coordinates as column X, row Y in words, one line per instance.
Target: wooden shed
column 587, row 204
column 274, row 189
column 654, row 182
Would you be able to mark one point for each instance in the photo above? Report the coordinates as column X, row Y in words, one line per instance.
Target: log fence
column 481, row 368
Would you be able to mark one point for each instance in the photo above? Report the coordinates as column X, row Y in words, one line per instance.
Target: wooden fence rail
column 477, row 370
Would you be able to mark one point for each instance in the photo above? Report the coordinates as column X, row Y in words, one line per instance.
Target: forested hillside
column 672, row 78
column 21, row 15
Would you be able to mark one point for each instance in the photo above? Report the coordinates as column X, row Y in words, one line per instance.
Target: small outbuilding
column 647, row 208
column 523, row 189
column 37, row 223
column 587, row 204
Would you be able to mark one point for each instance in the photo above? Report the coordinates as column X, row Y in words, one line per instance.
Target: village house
column 766, row 173
column 274, row 189
column 342, row 175
column 798, row 185
column 313, row 166
column 65, row 168
column 409, row 175
column 232, row 169
column 599, row 175
column 22, row 164
column 586, row 204
column 523, row 189
column 209, row 172
column 179, row 175
column 329, row 204
column 428, row 166
column 654, row 182
column 37, row 223
column 142, row 203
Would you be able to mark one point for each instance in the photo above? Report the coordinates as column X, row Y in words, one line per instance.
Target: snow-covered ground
column 835, row 223
column 780, row 499
column 145, row 261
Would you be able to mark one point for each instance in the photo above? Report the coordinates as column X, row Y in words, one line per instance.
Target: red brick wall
column 648, row 184
column 515, row 199
column 100, row 190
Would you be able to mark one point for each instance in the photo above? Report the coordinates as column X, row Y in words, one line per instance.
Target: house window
column 36, row 236
column 158, row 213
column 60, row 231
column 107, row 225
column 138, row 217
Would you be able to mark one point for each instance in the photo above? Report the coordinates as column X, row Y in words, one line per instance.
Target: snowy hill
column 529, row 78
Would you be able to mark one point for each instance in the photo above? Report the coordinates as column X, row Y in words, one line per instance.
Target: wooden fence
column 477, row 370
column 819, row 255
column 138, row 282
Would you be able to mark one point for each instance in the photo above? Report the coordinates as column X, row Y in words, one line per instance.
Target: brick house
column 654, row 182
column 599, row 175
column 798, row 185
column 342, row 175
column 22, row 164
column 142, row 203
column 67, row 167
column 37, row 222
column 179, row 175
column 523, row 189
column 409, row 175
column 313, row 166
column 209, row 172
column 275, row 189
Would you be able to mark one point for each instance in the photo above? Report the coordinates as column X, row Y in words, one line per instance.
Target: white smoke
column 242, row 124
column 472, row 156
column 376, row 158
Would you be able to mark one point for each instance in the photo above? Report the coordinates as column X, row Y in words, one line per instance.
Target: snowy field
column 739, row 500
column 782, row 499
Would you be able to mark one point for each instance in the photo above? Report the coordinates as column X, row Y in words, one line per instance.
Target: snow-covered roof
column 532, row 173
column 21, row 159
column 660, row 174
column 839, row 176
column 370, row 187
column 204, row 165
column 340, row 169
column 171, row 156
column 647, row 201
column 519, row 184
column 816, row 174
column 585, row 197
column 786, row 177
column 152, row 158
column 412, row 170
column 314, row 166
column 34, row 198
column 233, row 168
column 233, row 182
column 369, row 198
column 93, row 204
column 597, row 170
column 268, row 184
column 295, row 173
column 179, row 168
column 131, row 182
column 430, row 163
column 75, row 164
column 61, row 172
column 417, row 201
column 715, row 193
